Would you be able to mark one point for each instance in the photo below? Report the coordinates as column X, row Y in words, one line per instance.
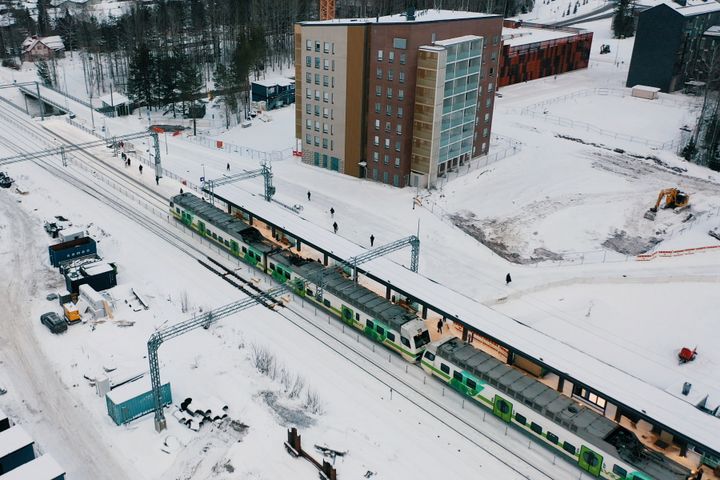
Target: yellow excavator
column 674, row 198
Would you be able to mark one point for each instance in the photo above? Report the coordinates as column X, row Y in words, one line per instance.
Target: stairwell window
column 379, row 55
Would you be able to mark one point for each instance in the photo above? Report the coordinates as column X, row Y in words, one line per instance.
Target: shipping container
column 99, row 275
column 4, row 421
column 133, row 400
column 72, row 249
column 16, row 448
column 42, row 468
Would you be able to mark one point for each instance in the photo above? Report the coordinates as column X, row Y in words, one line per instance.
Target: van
column 53, row 322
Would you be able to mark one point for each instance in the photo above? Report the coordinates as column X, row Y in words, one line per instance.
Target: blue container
column 81, row 247
column 133, row 400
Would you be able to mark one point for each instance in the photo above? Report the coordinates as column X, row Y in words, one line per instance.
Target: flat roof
column 645, row 88
column 42, row 468
column 596, row 362
column 527, row 35
column 276, row 81
column 13, row 439
column 713, row 31
column 695, row 8
column 421, row 16
column 129, row 391
column 97, row 268
column 455, row 40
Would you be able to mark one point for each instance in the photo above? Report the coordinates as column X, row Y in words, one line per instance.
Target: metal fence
column 246, row 152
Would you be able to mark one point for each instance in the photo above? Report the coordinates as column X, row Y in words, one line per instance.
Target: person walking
column 332, row 212
column 140, row 168
column 335, row 226
column 508, row 279
column 308, row 195
column 228, row 166
column 181, row 191
column 157, row 180
column 372, row 239
column 439, row 326
column 128, row 160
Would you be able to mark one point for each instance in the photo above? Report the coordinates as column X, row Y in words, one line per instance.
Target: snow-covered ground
column 556, row 199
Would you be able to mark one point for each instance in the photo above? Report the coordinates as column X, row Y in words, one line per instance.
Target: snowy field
column 545, row 214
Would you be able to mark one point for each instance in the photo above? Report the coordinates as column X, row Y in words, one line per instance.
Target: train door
column 234, row 248
column 347, row 314
column 590, row 461
column 201, row 227
column 502, row 408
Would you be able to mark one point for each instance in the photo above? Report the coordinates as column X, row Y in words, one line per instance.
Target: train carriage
column 573, row 431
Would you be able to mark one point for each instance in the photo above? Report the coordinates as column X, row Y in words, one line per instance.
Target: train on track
column 570, row 429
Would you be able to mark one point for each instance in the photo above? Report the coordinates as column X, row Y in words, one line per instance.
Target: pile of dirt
column 286, row 415
column 623, row 243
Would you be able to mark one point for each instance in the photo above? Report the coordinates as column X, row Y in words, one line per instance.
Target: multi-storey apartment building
column 399, row 99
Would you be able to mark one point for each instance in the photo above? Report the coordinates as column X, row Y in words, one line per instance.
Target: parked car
column 54, row 322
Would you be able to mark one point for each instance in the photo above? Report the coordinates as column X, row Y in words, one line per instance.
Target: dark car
column 54, row 322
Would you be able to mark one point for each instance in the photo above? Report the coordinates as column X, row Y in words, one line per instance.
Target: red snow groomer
column 686, row 355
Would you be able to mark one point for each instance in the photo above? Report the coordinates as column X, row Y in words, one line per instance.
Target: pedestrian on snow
column 508, row 279
column 308, row 195
column 128, row 160
column 181, row 191
column 228, row 167
column 372, row 239
column 157, row 180
column 700, row 474
column 440, row 325
column 332, row 212
column 140, row 168
column 335, row 227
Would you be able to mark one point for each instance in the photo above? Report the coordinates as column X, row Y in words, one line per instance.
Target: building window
column 308, row 61
column 388, row 109
column 326, row 64
column 308, row 77
column 388, row 127
column 401, row 94
column 389, row 92
column 325, row 80
column 317, row 110
column 589, row 396
column 402, row 59
column 308, row 45
column 400, row 112
column 391, row 75
column 317, row 79
column 378, row 73
column 308, row 108
column 326, row 97
column 387, row 143
column 326, row 112
column 325, row 142
column 485, row 132
column 308, row 124
column 374, row 174
column 396, row 182
column 488, row 102
column 380, row 56
column 376, row 141
column 325, row 128
column 397, row 146
column 377, row 108
column 398, row 129
column 308, row 138
column 385, row 177
column 432, row 38
column 391, row 56
column 317, row 141
column 326, row 47
column 378, row 90
column 317, row 62
column 317, row 46
column 317, row 95
column 401, row 77
column 487, row 117
column 397, row 162
column 386, row 159
column 400, row 43
column 308, row 93
column 376, row 156
column 377, row 124
column 492, row 72
column 490, row 87
column 317, row 126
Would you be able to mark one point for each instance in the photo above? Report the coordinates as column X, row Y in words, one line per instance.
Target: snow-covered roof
column 645, row 88
column 597, row 362
column 53, row 42
column 453, row 41
column 526, row 35
column 429, row 15
column 3, row 415
column 97, row 268
column 115, row 99
column 129, row 391
column 713, row 31
column 13, row 439
column 42, row 468
column 696, row 8
column 275, row 81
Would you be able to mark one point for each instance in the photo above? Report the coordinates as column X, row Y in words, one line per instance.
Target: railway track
column 166, row 229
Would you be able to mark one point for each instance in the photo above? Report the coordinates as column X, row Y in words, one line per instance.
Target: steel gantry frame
column 265, row 170
column 204, row 321
column 63, row 149
column 413, row 241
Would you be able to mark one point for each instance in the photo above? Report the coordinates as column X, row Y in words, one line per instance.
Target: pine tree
column 43, row 21
column 141, row 77
column 623, row 23
column 44, row 73
column 689, row 150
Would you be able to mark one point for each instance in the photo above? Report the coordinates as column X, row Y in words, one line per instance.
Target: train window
column 405, row 341
column 244, row 250
column 590, row 458
column 380, row 329
column 536, row 428
column 309, row 292
column 391, row 336
column 370, row 324
column 520, row 419
column 617, row 470
column 552, row 438
column 445, row 368
column 471, row 384
column 208, row 231
column 287, row 275
column 326, row 303
column 429, row 355
column 272, row 266
column 227, row 244
column 568, row 447
column 457, row 376
column 357, row 317
column 177, row 209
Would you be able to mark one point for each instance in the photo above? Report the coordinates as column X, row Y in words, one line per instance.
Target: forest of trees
column 168, row 53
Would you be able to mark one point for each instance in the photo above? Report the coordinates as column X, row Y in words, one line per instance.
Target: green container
column 133, row 400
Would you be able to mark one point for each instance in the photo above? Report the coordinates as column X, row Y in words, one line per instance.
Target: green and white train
column 597, row 445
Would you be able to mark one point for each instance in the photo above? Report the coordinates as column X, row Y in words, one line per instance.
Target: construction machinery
column 674, row 198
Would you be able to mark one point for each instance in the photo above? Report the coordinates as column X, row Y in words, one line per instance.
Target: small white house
column 117, row 102
column 643, row 91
